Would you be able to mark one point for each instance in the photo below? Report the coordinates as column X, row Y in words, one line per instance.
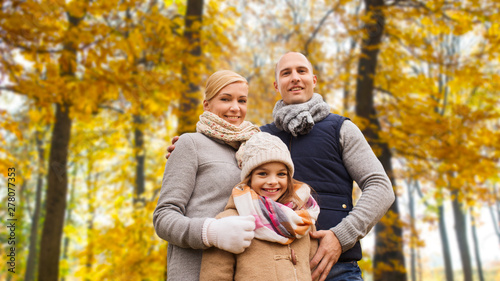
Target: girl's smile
column 270, row 180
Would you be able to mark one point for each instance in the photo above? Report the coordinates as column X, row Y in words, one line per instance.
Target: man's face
column 295, row 80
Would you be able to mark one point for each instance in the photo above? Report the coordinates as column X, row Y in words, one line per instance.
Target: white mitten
column 232, row 234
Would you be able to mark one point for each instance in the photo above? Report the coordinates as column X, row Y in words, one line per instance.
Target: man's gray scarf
column 300, row 118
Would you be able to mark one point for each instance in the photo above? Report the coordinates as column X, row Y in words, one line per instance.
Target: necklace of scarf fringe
column 300, row 118
column 213, row 126
column 276, row 222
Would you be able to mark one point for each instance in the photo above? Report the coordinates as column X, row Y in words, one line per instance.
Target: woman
column 199, row 177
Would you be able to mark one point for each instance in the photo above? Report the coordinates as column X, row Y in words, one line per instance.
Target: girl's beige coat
column 261, row 261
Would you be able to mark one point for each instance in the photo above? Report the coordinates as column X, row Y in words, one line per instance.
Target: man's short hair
column 276, row 66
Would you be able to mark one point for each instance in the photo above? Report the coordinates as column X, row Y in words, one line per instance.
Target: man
column 329, row 152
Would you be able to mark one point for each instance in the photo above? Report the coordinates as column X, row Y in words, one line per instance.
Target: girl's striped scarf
column 213, row 126
column 276, row 222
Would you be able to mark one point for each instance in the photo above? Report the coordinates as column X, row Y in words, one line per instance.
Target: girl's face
column 230, row 103
column 270, row 180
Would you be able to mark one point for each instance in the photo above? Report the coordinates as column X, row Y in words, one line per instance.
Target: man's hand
column 327, row 254
column 172, row 147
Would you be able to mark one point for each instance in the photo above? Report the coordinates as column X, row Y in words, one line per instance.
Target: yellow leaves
column 8, row 124
column 441, row 109
column 366, row 264
column 77, row 8
column 100, row 59
column 462, row 22
column 179, row 4
column 72, row 231
column 451, row 21
column 173, row 2
column 40, row 116
column 154, row 107
column 493, row 31
column 442, row 146
column 129, row 247
column 122, row 244
column 119, row 202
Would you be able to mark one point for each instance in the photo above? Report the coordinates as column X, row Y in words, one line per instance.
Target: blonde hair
column 219, row 80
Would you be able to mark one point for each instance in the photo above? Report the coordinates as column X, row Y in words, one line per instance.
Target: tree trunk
column 413, row 246
column 68, row 216
column 91, row 214
column 420, row 267
column 190, row 100
column 476, row 249
column 138, row 121
column 419, row 258
column 29, row 275
column 140, row 158
column 461, row 232
column 389, row 263
column 498, row 209
column 496, row 225
column 348, row 78
column 57, row 189
column 445, row 245
column 55, row 202
column 496, row 218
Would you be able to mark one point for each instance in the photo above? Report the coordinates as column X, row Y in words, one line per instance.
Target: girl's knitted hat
column 260, row 149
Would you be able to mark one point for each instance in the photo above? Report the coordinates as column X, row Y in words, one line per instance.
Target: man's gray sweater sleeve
column 377, row 196
column 178, row 183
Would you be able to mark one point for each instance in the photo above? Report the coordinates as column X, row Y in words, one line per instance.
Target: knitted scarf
column 276, row 222
column 300, row 118
column 213, row 126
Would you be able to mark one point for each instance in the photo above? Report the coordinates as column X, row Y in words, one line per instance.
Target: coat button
column 344, row 206
column 294, row 258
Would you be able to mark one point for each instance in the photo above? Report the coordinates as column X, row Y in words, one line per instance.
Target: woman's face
column 230, row 103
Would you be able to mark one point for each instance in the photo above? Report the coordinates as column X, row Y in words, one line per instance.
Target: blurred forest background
column 93, row 91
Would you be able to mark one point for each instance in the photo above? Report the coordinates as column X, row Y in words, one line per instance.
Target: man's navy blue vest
column 317, row 158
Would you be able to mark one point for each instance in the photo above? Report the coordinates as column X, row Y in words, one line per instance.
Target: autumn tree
column 35, row 218
column 191, row 75
column 61, row 54
column 389, row 262
column 442, row 105
column 18, row 154
column 149, row 87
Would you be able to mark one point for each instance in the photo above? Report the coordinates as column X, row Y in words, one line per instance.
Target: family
column 239, row 202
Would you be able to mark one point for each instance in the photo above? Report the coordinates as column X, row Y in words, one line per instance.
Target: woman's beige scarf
column 213, row 126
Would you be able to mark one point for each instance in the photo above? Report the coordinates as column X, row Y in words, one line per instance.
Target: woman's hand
column 233, row 234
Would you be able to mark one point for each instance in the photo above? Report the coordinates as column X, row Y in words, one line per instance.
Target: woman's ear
column 205, row 105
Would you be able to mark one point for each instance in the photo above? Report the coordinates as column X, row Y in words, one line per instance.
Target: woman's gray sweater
column 197, row 182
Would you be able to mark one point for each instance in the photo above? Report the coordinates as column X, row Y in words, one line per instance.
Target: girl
column 284, row 213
